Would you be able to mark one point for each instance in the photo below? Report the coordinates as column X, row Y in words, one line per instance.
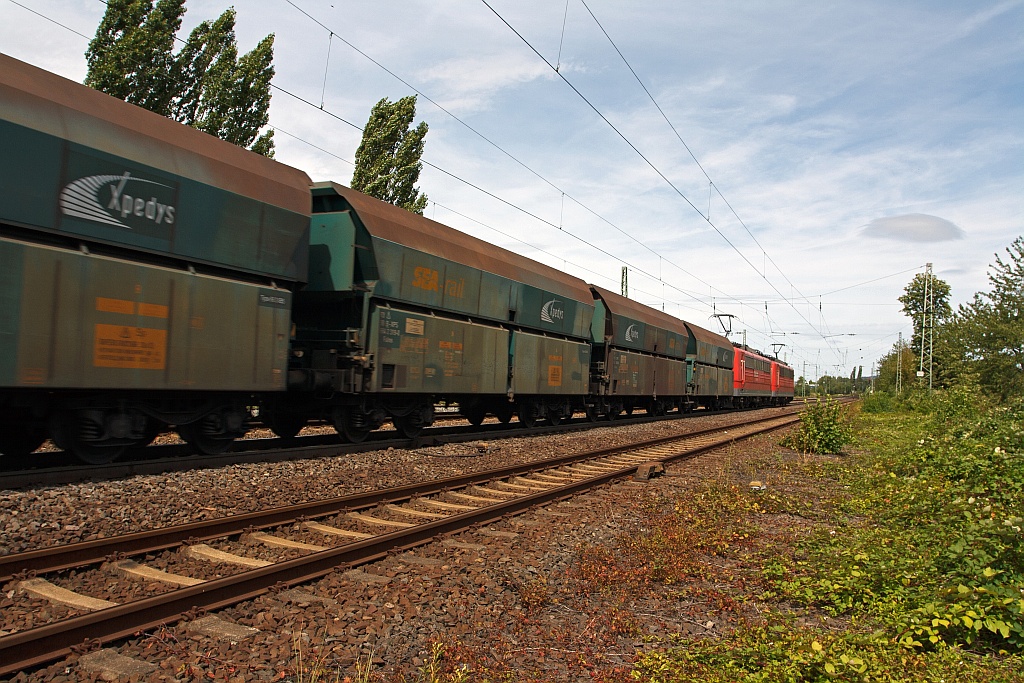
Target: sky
column 792, row 164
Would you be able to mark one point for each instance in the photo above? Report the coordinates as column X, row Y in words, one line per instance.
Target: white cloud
column 913, row 227
column 828, row 127
column 469, row 82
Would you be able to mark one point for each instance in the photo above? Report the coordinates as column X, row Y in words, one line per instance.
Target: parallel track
column 485, row 496
column 59, row 468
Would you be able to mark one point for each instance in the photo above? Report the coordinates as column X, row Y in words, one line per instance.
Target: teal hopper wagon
column 402, row 312
column 146, row 272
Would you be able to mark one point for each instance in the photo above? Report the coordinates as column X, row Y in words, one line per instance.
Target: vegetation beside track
column 900, row 560
column 921, row 564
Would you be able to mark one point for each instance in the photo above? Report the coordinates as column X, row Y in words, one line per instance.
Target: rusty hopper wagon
column 709, row 358
column 146, row 272
column 640, row 357
column 401, row 311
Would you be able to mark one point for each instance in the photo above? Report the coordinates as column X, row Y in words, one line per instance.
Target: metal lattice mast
column 927, row 326
column 899, row 364
column 624, row 287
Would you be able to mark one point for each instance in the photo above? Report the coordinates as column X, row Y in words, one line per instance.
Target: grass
column 921, row 563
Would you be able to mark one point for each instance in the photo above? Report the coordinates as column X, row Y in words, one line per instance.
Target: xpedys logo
column 551, row 312
column 632, row 334
column 119, row 200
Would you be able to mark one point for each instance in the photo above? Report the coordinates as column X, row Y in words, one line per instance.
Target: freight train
column 153, row 277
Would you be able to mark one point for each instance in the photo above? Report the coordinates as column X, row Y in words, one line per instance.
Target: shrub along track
column 439, row 507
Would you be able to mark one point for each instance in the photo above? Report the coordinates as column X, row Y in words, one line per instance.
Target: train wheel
column 593, row 413
column 504, row 411
column 474, row 412
column 529, row 414
column 67, row 429
column 286, row 425
column 353, row 424
column 413, row 424
column 207, row 444
column 557, row 413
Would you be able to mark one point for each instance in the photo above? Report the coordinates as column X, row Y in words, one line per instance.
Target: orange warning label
column 554, row 375
column 153, row 310
column 114, row 305
column 121, row 346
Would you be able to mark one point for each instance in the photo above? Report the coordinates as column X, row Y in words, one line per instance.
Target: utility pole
column 624, row 287
column 899, row 365
column 927, row 325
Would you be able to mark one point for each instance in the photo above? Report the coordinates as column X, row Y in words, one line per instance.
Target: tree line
column 980, row 343
column 206, row 84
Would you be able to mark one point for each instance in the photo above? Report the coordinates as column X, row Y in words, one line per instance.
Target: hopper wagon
column 153, row 277
column 146, row 272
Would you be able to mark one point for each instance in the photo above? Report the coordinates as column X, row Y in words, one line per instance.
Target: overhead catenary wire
column 426, row 97
column 646, row 160
column 511, row 204
column 444, row 171
column 541, row 177
column 711, row 184
column 490, row 142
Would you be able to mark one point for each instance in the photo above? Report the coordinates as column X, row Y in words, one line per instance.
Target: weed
column 924, row 560
column 824, row 428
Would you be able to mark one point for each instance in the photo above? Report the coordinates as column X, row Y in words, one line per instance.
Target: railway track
column 56, row 468
column 304, row 542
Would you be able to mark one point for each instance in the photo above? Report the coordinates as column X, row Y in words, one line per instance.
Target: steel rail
column 73, row 555
column 34, row 647
column 55, row 467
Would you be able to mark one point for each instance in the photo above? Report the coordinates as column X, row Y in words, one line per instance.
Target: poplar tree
column 388, row 161
column 131, row 56
column 205, row 85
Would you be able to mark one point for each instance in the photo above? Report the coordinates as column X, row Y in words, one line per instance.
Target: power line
column 460, row 179
column 52, row 21
column 651, row 165
column 687, row 147
column 496, row 146
column 333, row 33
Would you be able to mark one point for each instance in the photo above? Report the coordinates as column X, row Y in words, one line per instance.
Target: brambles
column 919, row 575
column 824, row 428
column 878, row 402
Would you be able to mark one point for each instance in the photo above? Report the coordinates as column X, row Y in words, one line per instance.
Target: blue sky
column 848, row 142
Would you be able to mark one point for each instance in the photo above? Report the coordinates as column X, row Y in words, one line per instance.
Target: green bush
column 937, row 551
column 824, row 428
column 920, row 575
column 878, row 402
